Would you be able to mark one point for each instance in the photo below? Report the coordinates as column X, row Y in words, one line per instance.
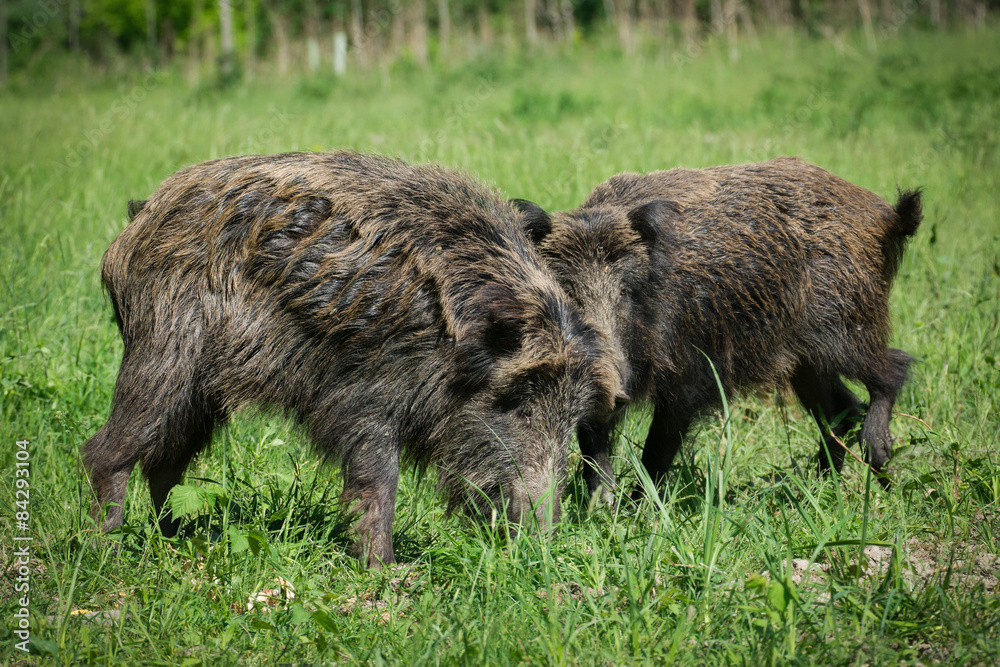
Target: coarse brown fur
column 398, row 311
column 773, row 271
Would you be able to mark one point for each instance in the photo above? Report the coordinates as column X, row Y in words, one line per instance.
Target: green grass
column 706, row 577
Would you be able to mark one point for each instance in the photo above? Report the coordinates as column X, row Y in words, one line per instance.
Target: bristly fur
column 777, row 271
column 385, row 305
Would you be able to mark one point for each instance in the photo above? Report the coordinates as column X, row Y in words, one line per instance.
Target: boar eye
column 525, row 413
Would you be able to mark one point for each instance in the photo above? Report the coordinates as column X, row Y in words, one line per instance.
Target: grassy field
column 750, row 559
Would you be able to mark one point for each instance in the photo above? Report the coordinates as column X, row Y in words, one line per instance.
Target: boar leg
column 595, row 446
column 371, row 479
column 834, row 407
column 666, row 434
column 158, row 418
column 109, row 462
column 882, row 389
column 188, row 431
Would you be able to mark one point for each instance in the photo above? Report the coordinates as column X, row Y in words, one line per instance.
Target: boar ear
column 648, row 219
column 134, row 207
column 537, row 222
column 501, row 331
column 495, row 332
column 526, row 382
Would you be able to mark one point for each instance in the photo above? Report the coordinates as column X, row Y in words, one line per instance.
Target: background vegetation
column 749, row 559
column 244, row 38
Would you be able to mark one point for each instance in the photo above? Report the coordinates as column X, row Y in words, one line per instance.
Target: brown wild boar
column 764, row 273
column 398, row 311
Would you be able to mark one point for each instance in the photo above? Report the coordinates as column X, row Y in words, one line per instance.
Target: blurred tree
column 282, row 30
column 865, row 11
column 74, row 26
column 312, row 25
column 444, row 27
column 280, row 26
column 483, row 26
column 151, row 41
column 560, row 17
column 357, row 33
column 250, row 57
column 227, row 60
column 3, row 43
column 623, row 15
column 684, row 12
column 718, row 21
column 418, row 30
column 531, row 21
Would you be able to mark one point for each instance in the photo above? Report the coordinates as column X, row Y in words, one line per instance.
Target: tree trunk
column 717, row 18
column 151, row 32
column 484, row 27
column 887, row 11
column 444, row 27
column 74, row 26
column 227, row 61
column 550, row 11
column 339, row 53
column 935, row 11
column 530, row 24
column 249, row 7
column 397, row 34
column 3, row 43
column 418, row 31
column 197, row 47
column 311, row 30
column 358, row 41
column 625, row 23
column 648, row 15
column 732, row 35
column 279, row 23
column 569, row 25
column 746, row 20
column 560, row 15
column 684, row 10
column 865, row 10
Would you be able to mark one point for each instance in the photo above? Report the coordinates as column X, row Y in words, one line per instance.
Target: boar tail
column 908, row 213
column 907, row 218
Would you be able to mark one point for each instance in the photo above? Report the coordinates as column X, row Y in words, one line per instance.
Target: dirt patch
column 569, row 590
column 374, row 603
column 962, row 564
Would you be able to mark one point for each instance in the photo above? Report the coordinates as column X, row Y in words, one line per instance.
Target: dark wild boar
column 400, row 312
column 774, row 271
